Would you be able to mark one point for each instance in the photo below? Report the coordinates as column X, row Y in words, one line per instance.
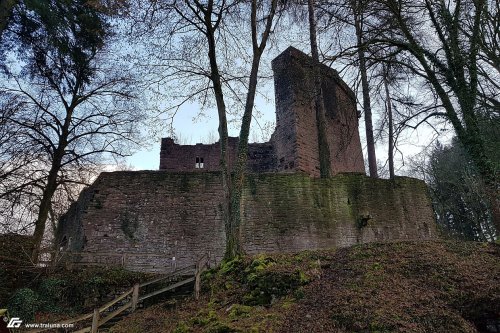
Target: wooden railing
column 193, row 273
column 133, row 260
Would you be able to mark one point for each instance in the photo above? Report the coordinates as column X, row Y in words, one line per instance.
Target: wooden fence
column 100, row 316
column 135, row 261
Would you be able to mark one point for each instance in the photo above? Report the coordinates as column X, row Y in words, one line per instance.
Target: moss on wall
column 166, row 217
column 301, row 212
column 129, row 225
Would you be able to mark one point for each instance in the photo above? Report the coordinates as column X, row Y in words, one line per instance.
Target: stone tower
column 294, row 144
column 296, row 138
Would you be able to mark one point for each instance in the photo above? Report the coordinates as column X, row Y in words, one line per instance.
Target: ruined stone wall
column 174, row 157
column 148, row 221
column 153, row 221
column 286, row 213
column 296, row 133
column 294, row 144
column 261, row 157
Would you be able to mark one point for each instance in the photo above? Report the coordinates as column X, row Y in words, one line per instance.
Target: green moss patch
column 396, row 287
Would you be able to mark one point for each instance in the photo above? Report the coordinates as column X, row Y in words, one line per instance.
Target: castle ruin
column 293, row 146
column 158, row 220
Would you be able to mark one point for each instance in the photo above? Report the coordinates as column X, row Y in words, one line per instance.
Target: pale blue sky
column 192, row 129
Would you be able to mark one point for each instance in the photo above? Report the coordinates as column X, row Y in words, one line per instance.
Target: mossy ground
column 393, row 287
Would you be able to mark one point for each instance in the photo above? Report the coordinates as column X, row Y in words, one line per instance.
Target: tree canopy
column 64, row 109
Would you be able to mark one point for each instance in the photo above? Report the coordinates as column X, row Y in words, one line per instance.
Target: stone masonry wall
column 148, row 221
column 296, row 133
column 154, row 220
column 287, row 213
column 294, row 144
column 174, row 157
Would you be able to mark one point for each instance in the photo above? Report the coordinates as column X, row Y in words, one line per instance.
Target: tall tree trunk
column 370, row 142
column 323, row 147
column 470, row 136
column 473, row 141
column 236, row 249
column 45, row 207
column 6, row 7
column 240, row 163
column 232, row 238
column 388, row 103
column 51, row 186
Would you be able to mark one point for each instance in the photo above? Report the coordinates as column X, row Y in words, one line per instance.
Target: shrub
column 24, row 303
column 51, row 294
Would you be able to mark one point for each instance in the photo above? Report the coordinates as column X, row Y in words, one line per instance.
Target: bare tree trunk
column 240, row 166
column 45, row 207
column 233, row 250
column 323, row 147
column 51, row 186
column 232, row 238
column 388, row 104
column 233, row 186
column 370, row 142
column 6, row 7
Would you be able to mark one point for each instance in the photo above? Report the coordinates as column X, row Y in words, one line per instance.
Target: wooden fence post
column 135, row 296
column 197, row 281
column 95, row 321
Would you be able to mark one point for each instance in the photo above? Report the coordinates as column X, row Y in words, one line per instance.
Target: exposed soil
column 393, row 287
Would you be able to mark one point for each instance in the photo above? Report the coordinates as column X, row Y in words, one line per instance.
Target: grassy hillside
column 394, row 287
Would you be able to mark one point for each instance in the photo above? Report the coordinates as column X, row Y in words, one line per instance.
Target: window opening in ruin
column 199, row 163
column 330, row 98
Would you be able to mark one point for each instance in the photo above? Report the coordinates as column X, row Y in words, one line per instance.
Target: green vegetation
column 24, row 304
column 460, row 198
column 395, row 287
column 129, row 225
column 67, row 292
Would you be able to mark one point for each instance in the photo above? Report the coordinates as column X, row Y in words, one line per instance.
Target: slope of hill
column 393, row 287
